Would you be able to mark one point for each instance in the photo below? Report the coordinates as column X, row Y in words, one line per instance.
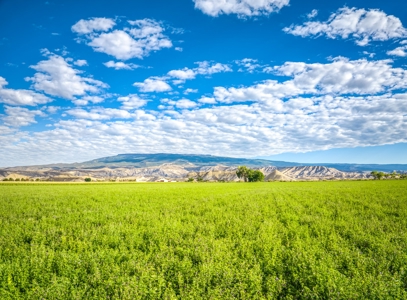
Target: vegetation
column 88, row 179
column 289, row 240
column 393, row 175
column 249, row 175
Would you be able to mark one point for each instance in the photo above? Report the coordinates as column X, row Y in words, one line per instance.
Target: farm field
column 286, row 240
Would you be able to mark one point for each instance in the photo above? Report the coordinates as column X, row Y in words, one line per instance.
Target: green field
column 289, row 240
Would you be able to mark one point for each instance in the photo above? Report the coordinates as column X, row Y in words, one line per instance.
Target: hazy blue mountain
column 151, row 160
column 190, row 160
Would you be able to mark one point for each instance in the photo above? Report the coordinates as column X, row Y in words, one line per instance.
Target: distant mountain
column 158, row 159
column 194, row 162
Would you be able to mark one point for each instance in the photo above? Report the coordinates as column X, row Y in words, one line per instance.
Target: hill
column 163, row 166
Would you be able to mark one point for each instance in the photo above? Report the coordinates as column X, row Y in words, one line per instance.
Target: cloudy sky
column 243, row 78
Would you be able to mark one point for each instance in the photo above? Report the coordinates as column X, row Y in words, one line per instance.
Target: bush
column 88, row 179
column 255, row 176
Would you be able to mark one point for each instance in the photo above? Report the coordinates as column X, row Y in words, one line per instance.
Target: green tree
column 374, row 174
column 255, row 176
column 249, row 175
column 380, row 175
column 394, row 174
column 243, row 173
column 88, row 179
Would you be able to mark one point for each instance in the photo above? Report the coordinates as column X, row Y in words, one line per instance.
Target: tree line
column 380, row 175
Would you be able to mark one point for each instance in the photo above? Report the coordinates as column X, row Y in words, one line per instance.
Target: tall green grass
column 299, row 240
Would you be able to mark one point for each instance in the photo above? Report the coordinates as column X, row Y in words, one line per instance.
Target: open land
column 278, row 240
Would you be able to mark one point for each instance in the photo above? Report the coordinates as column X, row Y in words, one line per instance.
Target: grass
column 293, row 240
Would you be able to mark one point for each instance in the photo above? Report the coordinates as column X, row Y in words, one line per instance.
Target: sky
column 306, row 81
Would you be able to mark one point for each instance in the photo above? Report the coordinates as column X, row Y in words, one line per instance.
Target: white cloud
column 312, row 14
column 242, row 8
column 99, row 113
column 208, row 68
column 92, row 25
column 371, row 55
column 182, row 103
column 20, row 97
column 138, row 41
column 297, row 125
column 204, row 68
column 190, row 91
column 341, row 76
column 80, row 63
column 56, row 77
column 249, row 65
column 19, row 116
column 85, row 100
column 119, row 65
column 179, row 49
column 184, row 74
column 131, row 102
column 118, row 44
column 153, row 84
column 399, row 51
column 362, row 25
column 207, row 100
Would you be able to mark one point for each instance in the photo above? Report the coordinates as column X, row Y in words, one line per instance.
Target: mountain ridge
column 143, row 160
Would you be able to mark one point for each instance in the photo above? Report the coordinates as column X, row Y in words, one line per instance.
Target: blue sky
column 315, row 81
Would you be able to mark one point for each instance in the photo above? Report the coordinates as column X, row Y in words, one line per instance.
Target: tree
column 88, row 179
column 249, row 175
column 380, row 175
column 374, row 174
column 377, row 175
column 255, row 176
column 243, row 172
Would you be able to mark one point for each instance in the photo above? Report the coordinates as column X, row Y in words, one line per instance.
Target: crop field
column 288, row 240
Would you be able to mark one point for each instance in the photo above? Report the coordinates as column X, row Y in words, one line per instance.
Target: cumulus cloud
column 119, row 65
column 55, row 76
column 20, row 97
column 249, row 65
column 207, row 100
column 19, row 116
column 100, row 113
column 80, row 63
column 296, row 125
column 137, row 41
column 182, row 103
column 361, row 25
column 153, row 84
column 341, row 76
column 88, row 99
column 132, row 101
column 204, row 68
column 242, row 8
column 399, row 51
column 92, row 25
column 312, row 14
column 190, row 91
